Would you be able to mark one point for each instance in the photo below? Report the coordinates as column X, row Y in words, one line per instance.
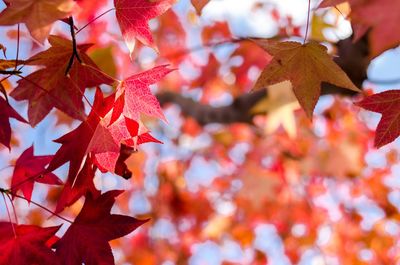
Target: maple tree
column 149, row 115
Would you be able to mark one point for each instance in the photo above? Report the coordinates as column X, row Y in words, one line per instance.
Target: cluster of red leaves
column 113, row 129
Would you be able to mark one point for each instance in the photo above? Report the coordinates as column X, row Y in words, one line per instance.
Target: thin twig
column 13, row 206
column 207, row 45
column 10, row 72
column 219, row 43
column 35, row 203
column 31, row 178
column 93, row 20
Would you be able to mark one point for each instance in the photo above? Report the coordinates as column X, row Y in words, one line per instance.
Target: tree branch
column 75, row 53
column 353, row 59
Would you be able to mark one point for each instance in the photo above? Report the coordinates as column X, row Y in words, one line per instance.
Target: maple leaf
column 133, row 17
column 75, row 188
column 88, row 8
column 38, row 15
column 318, row 25
column 388, row 104
column 134, row 97
column 199, row 5
column 30, row 169
column 27, row 245
column 104, row 59
column 50, row 87
column 306, row 66
column 96, row 137
column 7, row 112
column 210, row 79
column 79, row 142
column 170, row 37
column 128, row 132
column 86, row 240
column 280, row 104
column 255, row 57
column 380, row 16
column 259, row 184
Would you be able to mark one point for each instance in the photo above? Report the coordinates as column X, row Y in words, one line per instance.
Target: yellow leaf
column 280, row 104
column 318, row 25
column 103, row 58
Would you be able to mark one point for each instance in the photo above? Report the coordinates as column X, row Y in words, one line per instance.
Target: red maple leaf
column 135, row 98
column 86, row 240
column 96, row 137
column 381, row 17
column 388, row 104
column 79, row 142
column 89, row 9
column 77, row 187
column 128, row 132
column 133, row 17
column 51, row 87
column 7, row 112
column 26, row 244
column 30, row 169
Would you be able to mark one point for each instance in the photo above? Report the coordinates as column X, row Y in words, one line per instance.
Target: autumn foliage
column 216, row 147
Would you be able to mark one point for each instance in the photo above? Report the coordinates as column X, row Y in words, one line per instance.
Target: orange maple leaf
column 306, row 66
column 38, row 15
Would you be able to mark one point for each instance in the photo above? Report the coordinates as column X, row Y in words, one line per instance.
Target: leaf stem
column 308, row 22
column 101, row 72
column 9, row 215
column 82, row 93
column 18, row 41
column 44, row 208
column 31, row 178
column 93, row 20
column 4, row 191
column 13, row 207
